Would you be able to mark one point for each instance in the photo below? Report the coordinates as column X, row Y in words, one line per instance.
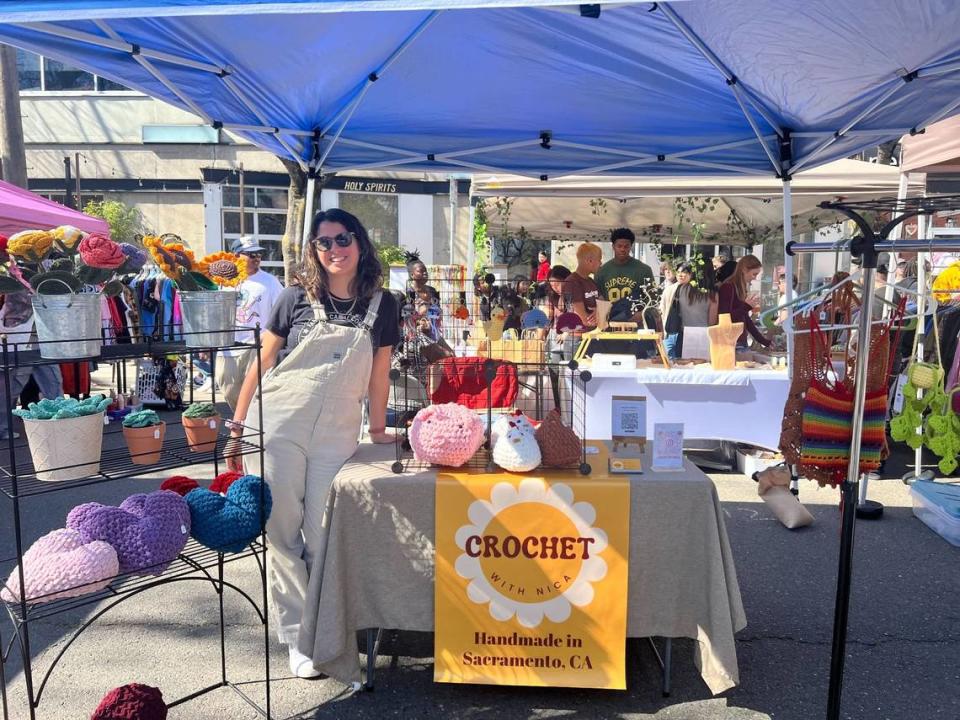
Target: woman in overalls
column 327, row 346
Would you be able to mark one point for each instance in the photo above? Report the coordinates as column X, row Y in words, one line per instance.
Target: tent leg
column 921, row 321
column 788, row 271
column 849, row 493
column 307, row 212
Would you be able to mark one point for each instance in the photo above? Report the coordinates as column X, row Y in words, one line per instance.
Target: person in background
column 732, row 298
column 723, row 267
column 329, row 343
column 558, row 300
column 697, row 300
column 485, row 290
column 258, row 294
column 418, row 277
column 623, row 276
column 16, row 322
column 782, row 294
column 543, row 266
column 582, row 289
column 670, row 314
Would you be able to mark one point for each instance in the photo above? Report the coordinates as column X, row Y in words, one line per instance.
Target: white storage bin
column 938, row 506
column 751, row 460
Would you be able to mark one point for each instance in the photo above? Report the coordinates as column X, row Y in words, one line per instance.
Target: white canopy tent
column 563, row 207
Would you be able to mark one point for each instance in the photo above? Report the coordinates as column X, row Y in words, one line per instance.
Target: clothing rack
column 867, row 247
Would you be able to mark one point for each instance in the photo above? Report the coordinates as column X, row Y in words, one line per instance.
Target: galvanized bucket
column 209, row 317
column 68, row 326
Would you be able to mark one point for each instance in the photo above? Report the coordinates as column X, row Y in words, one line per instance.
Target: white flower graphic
column 556, row 608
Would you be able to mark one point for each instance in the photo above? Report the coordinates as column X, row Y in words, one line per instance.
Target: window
column 378, row 213
column 264, row 217
column 37, row 73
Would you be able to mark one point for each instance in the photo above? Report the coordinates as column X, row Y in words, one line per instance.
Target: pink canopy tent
column 22, row 210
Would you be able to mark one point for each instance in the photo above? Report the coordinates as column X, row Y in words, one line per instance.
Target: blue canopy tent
column 529, row 87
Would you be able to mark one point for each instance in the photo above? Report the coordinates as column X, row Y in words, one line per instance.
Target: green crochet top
column 200, row 410
column 63, row 407
column 141, row 419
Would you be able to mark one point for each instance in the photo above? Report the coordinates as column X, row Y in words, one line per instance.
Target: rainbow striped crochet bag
column 827, row 422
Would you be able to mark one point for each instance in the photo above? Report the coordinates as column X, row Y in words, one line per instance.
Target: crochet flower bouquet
column 64, row 260
column 221, row 269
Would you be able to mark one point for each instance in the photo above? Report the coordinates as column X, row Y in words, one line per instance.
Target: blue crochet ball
column 228, row 523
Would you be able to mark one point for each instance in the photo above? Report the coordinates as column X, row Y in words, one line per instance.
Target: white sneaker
column 302, row 666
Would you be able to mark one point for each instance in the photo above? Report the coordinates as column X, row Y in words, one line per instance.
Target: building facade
column 89, row 138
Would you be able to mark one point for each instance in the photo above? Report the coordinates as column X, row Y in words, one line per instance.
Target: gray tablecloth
column 377, row 566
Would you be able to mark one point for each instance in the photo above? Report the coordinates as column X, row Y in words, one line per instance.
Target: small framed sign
column 628, row 421
column 668, row 446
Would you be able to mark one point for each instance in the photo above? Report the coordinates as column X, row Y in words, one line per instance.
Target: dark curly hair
column 312, row 276
column 622, row 233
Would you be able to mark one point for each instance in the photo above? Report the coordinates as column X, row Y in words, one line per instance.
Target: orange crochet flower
column 173, row 258
column 225, row 269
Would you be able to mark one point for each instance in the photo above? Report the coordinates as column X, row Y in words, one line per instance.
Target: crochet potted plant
column 209, row 317
column 65, row 436
column 55, row 266
column 144, row 432
column 201, row 423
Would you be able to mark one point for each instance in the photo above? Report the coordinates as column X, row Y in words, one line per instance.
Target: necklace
column 334, row 300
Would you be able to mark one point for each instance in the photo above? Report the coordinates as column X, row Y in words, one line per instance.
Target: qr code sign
column 630, row 422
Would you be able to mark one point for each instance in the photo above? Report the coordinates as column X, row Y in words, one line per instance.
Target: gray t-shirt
column 693, row 313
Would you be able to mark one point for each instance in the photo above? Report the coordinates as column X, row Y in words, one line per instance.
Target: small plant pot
column 67, row 449
column 202, row 433
column 144, row 443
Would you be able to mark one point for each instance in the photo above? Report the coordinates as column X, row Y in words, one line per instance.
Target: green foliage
column 193, row 281
column 126, row 223
column 390, row 255
column 481, row 242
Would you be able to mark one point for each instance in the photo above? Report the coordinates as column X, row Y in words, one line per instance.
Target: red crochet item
column 222, row 482
column 180, row 484
column 99, row 251
column 463, row 382
column 132, row 702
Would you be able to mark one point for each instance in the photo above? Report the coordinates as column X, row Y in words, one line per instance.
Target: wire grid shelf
column 195, row 558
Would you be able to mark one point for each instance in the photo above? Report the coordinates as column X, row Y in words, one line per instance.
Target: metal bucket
column 68, row 326
column 209, row 317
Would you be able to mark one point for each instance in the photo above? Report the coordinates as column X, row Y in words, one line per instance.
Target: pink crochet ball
column 131, row 702
column 447, row 434
column 99, row 251
column 62, row 565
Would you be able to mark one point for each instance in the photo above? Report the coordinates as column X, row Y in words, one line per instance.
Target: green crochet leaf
column 947, row 465
column 914, row 441
column 64, row 407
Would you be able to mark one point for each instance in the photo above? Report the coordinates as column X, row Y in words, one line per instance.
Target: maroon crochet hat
column 132, row 702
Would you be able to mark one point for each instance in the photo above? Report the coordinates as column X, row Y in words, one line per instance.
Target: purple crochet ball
column 148, row 530
column 136, row 258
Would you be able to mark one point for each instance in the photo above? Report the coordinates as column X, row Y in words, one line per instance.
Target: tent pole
column 789, row 272
column 921, row 322
column 471, row 247
column 848, row 489
column 453, row 217
column 308, row 211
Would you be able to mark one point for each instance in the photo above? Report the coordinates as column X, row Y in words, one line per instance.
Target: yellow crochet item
column 225, row 269
column 946, row 286
column 30, row 244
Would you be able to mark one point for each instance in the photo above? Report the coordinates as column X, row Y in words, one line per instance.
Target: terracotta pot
column 202, row 433
column 144, row 443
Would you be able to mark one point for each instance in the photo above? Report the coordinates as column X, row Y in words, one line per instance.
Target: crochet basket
column 559, row 445
column 67, row 449
column 447, row 434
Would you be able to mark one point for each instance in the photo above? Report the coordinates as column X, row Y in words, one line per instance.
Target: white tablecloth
column 739, row 406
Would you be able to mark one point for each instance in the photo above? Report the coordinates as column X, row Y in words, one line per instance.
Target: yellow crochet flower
column 173, row 258
column 30, row 242
column 947, row 284
column 68, row 235
column 225, row 269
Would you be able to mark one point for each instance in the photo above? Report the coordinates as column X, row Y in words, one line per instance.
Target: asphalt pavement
column 902, row 657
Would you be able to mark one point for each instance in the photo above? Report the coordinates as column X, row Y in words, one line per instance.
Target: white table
column 743, row 406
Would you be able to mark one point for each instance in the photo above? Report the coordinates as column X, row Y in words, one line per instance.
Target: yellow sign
column 531, row 585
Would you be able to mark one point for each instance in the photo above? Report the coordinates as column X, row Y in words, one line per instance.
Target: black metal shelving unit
column 196, row 563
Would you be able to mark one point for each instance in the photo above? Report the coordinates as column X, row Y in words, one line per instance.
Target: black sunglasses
column 342, row 240
column 256, row 255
